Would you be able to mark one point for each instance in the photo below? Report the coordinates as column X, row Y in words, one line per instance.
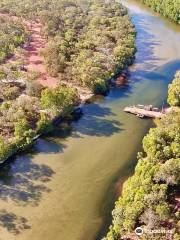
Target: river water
column 66, row 187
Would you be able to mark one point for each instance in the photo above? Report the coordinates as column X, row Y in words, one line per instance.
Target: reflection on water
column 96, row 123
column 13, row 223
column 66, row 187
column 23, row 181
column 146, row 59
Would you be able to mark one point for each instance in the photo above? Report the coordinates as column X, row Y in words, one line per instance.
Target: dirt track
column 32, row 58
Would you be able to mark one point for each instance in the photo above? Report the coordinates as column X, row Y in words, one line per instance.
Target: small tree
column 21, row 127
column 58, row 99
column 3, row 149
column 44, row 124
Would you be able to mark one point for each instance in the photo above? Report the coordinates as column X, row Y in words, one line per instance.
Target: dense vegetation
column 168, row 8
column 12, row 35
column 27, row 108
column 88, row 41
column 150, row 197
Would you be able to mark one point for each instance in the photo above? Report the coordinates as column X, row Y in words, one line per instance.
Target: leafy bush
column 44, row 124
column 58, row 99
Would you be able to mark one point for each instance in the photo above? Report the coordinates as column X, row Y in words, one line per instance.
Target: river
column 65, row 188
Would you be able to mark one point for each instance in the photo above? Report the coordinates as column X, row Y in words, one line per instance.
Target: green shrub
column 44, row 124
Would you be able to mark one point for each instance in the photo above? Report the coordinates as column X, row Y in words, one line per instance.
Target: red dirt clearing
column 32, row 57
column 33, row 60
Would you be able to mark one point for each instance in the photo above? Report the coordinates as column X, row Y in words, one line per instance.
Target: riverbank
column 49, row 95
column 150, row 198
column 167, row 9
column 74, row 114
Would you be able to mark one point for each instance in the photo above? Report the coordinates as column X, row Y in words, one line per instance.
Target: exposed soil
column 33, row 59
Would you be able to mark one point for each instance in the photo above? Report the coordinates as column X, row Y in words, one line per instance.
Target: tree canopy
column 88, row 41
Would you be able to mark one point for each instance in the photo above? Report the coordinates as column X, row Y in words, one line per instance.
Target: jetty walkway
column 145, row 111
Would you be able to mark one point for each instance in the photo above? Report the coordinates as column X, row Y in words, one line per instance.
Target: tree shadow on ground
column 13, row 223
column 24, row 181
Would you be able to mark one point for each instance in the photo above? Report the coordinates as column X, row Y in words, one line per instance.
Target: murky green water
column 65, row 189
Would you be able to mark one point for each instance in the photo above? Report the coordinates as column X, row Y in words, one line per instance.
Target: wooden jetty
column 144, row 111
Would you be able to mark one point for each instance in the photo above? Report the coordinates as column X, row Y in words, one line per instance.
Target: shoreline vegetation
column 150, row 199
column 87, row 43
column 167, row 8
